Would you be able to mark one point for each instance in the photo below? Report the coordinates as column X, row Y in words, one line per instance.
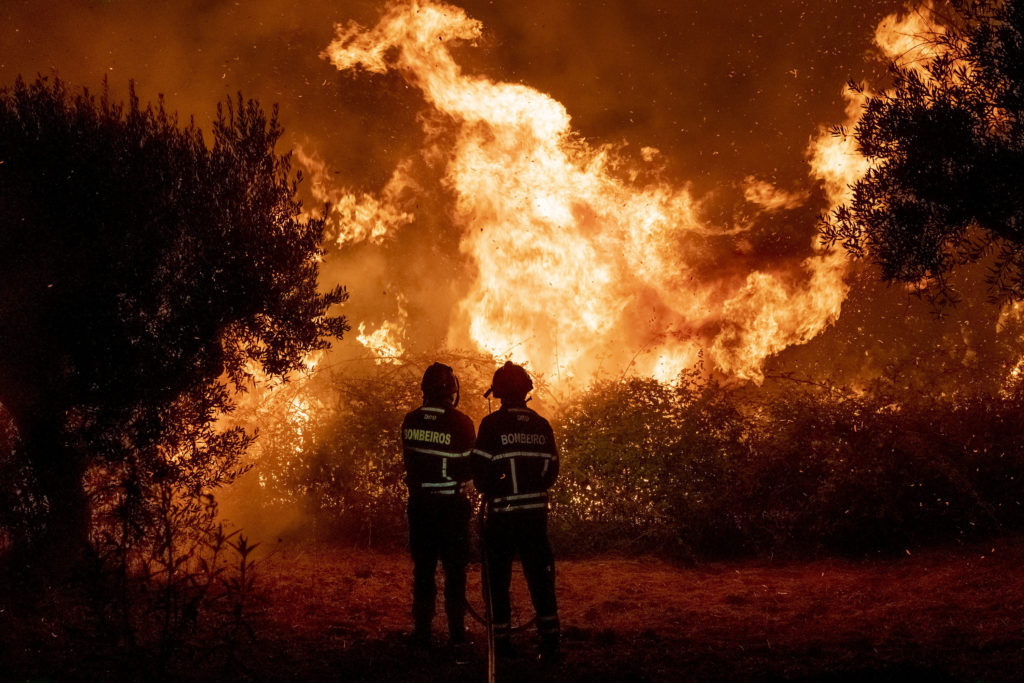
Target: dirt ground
column 955, row 614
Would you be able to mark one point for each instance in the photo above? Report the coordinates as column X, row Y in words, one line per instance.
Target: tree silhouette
column 141, row 270
column 947, row 148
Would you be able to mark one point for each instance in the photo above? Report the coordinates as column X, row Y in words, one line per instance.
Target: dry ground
column 954, row 614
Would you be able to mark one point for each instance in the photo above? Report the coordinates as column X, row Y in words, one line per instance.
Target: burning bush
column 329, row 456
column 692, row 468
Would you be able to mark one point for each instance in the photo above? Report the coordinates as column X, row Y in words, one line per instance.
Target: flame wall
column 580, row 256
column 587, row 187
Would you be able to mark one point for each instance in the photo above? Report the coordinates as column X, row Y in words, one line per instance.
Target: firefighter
column 514, row 464
column 436, row 443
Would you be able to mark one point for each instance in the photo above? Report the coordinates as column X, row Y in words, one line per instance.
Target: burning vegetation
column 608, row 279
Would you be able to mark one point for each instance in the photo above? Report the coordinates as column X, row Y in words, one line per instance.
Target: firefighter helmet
column 439, row 381
column 510, row 381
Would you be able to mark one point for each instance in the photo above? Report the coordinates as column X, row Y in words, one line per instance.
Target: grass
column 338, row 614
column 943, row 614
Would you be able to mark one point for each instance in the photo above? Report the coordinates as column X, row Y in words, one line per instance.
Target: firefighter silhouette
column 514, row 464
column 436, row 443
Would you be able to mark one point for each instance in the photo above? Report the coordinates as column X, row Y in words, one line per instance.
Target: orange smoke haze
column 588, row 188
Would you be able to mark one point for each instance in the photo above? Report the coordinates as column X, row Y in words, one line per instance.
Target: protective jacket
column 436, row 444
column 515, row 460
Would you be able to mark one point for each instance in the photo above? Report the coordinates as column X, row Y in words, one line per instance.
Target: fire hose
column 487, row 618
column 488, row 598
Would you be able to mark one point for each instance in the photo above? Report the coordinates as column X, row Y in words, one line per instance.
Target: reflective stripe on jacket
column 515, row 460
column 436, row 445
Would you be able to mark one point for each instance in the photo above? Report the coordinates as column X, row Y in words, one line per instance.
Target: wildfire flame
column 385, row 343
column 577, row 265
column 912, row 38
column 363, row 218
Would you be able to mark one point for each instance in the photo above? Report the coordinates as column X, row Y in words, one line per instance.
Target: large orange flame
column 580, row 267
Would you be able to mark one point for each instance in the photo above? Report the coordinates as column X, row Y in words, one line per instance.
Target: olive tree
column 144, row 272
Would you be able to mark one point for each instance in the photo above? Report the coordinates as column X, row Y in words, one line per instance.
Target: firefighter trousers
column 439, row 529
column 505, row 534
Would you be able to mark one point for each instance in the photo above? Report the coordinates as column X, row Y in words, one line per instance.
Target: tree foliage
column 145, row 273
column 946, row 144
